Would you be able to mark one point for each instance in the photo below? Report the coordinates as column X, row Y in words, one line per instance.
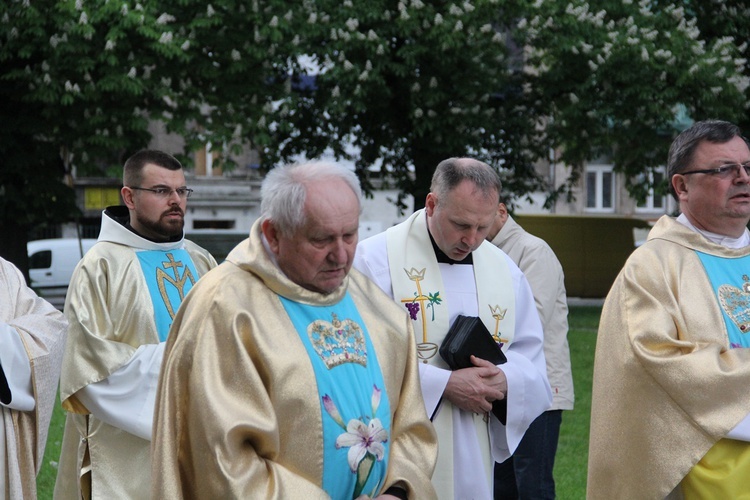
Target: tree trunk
column 13, row 245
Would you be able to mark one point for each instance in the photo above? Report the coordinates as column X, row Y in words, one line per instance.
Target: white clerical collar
column 719, row 239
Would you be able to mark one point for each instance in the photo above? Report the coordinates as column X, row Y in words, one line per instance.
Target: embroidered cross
column 162, row 278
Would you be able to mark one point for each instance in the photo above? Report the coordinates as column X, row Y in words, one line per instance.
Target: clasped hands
column 474, row 389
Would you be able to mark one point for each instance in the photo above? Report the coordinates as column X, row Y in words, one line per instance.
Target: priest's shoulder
column 360, row 284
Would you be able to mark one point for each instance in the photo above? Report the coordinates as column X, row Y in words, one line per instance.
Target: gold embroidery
column 425, row 350
column 499, row 315
column 162, row 278
column 736, row 303
column 338, row 343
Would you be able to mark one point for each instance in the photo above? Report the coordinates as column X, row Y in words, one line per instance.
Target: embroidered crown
column 338, row 342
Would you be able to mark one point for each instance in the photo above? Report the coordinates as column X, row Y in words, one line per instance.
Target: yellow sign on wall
column 99, row 198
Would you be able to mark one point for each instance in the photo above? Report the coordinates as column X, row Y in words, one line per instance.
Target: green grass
column 573, row 447
column 572, row 451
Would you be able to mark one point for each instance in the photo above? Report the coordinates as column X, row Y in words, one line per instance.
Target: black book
column 467, row 336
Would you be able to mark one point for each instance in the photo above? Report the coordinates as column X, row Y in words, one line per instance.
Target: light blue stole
column 169, row 275
column 730, row 279
column 354, row 406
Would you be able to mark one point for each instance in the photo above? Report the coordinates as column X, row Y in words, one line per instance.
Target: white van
column 51, row 264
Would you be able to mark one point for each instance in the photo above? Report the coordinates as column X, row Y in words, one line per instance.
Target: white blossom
column 210, row 10
column 593, row 66
column 364, row 76
column 131, row 73
column 372, row 36
column 644, row 54
column 438, row 19
column 486, row 28
column 336, row 92
column 166, row 37
column 418, row 113
column 348, row 66
column 380, row 50
column 459, row 26
column 124, row 9
column 165, row 18
column 573, row 98
column 274, row 21
column 47, row 79
column 295, row 40
column 84, row 19
column 455, row 110
column 431, row 113
column 455, row 10
column 79, row 4
column 185, row 45
column 288, row 16
column 352, row 24
column 433, row 83
column 110, row 45
column 236, row 55
column 312, row 18
column 416, row 87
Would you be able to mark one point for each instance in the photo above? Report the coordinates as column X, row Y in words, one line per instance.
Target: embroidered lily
column 362, row 440
column 375, row 399
column 333, row 411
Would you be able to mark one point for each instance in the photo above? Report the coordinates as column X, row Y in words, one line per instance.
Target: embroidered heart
column 338, row 342
column 736, row 303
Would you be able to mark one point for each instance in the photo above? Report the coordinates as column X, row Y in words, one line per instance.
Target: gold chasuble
column 41, row 329
column 418, row 285
column 116, row 303
column 671, row 372
column 245, row 405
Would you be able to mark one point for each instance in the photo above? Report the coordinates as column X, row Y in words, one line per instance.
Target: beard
column 168, row 228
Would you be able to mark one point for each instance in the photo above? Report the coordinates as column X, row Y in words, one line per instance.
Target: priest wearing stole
column 32, row 340
column 670, row 414
column 438, row 265
column 120, row 304
column 288, row 376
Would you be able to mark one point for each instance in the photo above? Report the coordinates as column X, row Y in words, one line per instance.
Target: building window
column 654, row 203
column 600, row 188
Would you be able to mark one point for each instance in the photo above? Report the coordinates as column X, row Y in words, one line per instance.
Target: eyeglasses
column 723, row 171
column 165, row 192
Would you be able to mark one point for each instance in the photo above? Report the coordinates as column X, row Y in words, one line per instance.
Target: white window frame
column 599, row 171
column 648, row 206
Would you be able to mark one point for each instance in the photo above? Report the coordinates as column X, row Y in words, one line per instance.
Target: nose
column 174, row 197
column 338, row 253
column 471, row 238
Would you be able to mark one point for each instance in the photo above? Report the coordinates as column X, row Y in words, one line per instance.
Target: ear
column 502, row 212
column 680, row 186
column 127, row 197
column 271, row 234
column 430, row 204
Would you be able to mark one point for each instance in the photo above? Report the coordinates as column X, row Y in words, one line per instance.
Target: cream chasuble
column 251, row 389
column 39, row 332
column 122, row 296
column 671, row 369
column 403, row 263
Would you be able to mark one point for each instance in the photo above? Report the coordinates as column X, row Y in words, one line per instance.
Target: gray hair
column 451, row 172
column 283, row 192
column 682, row 150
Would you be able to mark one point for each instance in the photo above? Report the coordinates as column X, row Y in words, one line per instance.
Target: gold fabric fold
column 111, row 314
column 42, row 329
column 238, row 410
column 666, row 386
